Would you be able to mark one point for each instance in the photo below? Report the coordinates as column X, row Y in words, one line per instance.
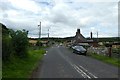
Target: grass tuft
column 112, row 61
column 22, row 68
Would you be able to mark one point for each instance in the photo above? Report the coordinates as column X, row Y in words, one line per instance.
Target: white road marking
column 83, row 73
column 92, row 75
column 83, row 68
column 80, row 70
column 88, row 72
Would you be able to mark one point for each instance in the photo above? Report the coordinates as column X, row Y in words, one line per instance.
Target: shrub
column 20, row 42
column 6, row 47
column 38, row 43
column 6, row 43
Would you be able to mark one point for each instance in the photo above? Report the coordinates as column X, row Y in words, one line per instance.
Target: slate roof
column 79, row 37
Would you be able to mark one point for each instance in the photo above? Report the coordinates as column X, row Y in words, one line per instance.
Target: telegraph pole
column 97, row 35
column 48, row 34
column 39, row 32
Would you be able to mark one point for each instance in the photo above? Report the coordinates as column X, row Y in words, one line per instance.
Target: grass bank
column 112, row 61
column 22, row 68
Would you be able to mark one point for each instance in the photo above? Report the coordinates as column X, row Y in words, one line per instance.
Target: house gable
column 79, row 37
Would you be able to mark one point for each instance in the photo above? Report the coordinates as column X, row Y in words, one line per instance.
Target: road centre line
column 82, row 72
column 79, row 70
column 87, row 71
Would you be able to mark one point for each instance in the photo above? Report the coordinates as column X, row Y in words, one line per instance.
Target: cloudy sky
column 61, row 17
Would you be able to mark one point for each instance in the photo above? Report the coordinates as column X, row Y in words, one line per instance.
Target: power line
column 37, row 34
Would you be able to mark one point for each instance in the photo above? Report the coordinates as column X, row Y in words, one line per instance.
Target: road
column 60, row 62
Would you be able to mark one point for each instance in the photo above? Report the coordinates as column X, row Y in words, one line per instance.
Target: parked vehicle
column 79, row 50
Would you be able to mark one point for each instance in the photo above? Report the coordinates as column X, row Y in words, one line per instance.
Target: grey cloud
column 62, row 19
column 5, row 5
column 5, row 15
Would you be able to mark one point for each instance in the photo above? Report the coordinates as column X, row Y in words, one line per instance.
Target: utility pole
column 39, row 33
column 97, row 35
column 48, row 34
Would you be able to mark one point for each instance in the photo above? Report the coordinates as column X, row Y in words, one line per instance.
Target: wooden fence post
column 109, row 51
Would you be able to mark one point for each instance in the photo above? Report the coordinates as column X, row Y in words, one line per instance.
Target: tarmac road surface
column 60, row 62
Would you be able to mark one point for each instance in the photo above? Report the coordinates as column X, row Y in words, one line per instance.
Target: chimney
column 91, row 35
column 78, row 31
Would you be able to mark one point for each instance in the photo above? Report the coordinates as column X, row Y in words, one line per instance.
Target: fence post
column 109, row 51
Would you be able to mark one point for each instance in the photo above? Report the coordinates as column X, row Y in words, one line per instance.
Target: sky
column 61, row 17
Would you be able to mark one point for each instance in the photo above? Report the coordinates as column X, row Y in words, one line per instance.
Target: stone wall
column 102, row 51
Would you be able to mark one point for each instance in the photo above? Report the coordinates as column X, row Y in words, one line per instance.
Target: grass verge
column 0, row 68
column 112, row 61
column 22, row 68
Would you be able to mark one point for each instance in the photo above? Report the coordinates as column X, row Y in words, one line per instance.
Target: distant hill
column 107, row 39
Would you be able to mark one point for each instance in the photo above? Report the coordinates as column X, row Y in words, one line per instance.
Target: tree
column 20, row 42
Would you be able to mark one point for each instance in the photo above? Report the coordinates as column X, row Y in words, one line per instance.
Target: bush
column 38, row 43
column 6, row 47
column 6, row 44
column 14, row 42
column 20, row 42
